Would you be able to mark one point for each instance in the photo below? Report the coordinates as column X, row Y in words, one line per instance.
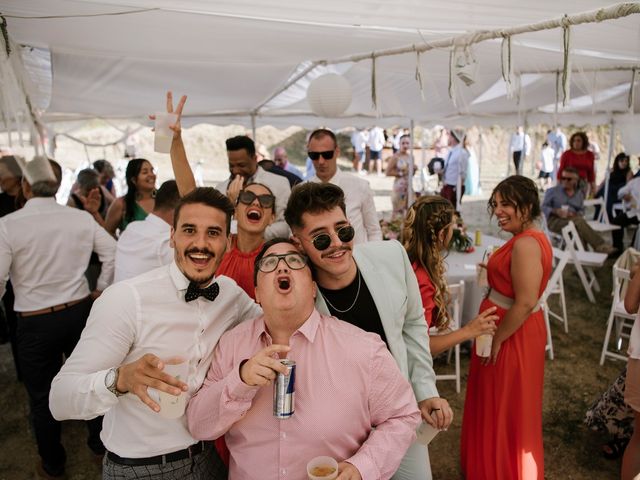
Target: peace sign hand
column 175, row 128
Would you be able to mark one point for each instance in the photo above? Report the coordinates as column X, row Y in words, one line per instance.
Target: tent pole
column 411, row 172
column 609, row 157
column 480, row 141
column 253, row 127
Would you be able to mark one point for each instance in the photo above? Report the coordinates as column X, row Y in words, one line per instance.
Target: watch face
column 110, row 378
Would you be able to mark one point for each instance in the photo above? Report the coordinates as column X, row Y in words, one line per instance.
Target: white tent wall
column 231, row 57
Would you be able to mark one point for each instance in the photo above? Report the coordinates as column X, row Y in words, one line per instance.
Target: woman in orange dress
column 502, row 422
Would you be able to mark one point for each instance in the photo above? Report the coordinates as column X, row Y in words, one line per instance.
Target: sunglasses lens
column 322, row 241
column 327, row 155
column 313, row 155
column 266, row 201
column 346, row 234
column 247, row 197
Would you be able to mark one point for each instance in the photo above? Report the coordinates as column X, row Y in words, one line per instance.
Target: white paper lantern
column 329, row 95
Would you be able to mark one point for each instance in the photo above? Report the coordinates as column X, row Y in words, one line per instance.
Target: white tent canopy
column 116, row 59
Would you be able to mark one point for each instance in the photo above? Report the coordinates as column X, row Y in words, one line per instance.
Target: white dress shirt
column 142, row 247
column 456, row 165
column 280, row 187
column 520, row 142
column 145, row 314
column 361, row 210
column 376, row 139
column 45, row 248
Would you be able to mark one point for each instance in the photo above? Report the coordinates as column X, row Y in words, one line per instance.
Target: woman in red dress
column 502, row 422
column 582, row 159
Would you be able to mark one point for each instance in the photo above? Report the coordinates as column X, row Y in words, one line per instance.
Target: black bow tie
column 193, row 292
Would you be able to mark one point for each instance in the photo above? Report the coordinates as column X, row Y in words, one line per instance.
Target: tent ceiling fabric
column 230, row 57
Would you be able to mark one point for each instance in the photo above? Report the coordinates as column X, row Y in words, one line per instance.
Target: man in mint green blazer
column 372, row 286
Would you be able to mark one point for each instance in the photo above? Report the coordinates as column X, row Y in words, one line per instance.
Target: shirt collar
column 156, row 220
column 332, row 180
column 309, row 328
column 179, row 280
column 36, row 201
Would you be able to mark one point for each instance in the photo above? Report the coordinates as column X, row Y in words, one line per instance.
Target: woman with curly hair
column 139, row 199
column 582, row 159
column 427, row 231
column 502, row 421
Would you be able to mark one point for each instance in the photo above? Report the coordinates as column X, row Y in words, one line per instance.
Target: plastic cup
column 565, row 208
column 322, row 468
column 163, row 134
column 483, row 345
column 426, row 433
column 172, row 406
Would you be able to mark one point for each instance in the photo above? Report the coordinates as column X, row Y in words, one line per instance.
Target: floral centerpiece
column 391, row 229
column 460, row 241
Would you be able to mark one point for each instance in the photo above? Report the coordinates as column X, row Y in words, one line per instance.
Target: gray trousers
column 203, row 466
column 585, row 232
column 415, row 464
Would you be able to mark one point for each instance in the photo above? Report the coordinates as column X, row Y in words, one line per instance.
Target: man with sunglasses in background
column 564, row 203
column 346, row 383
column 372, row 286
column 323, row 150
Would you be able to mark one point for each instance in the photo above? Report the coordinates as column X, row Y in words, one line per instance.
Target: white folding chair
column 555, row 239
column 618, row 319
column 555, row 286
column 583, row 261
column 601, row 224
column 456, row 300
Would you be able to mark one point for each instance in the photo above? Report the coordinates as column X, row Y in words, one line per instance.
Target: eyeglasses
column 323, row 240
column 294, row 261
column 566, row 179
column 328, row 155
column 247, row 197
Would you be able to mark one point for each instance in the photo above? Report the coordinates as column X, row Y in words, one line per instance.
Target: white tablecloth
column 462, row 266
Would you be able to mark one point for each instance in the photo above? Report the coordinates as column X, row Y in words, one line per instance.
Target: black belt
column 188, row 452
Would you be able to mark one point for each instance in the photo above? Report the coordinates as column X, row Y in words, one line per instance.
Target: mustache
column 334, row 250
column 199, row 250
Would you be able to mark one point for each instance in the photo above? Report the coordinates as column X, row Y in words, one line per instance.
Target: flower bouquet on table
column 391, row 229
column 460, row 241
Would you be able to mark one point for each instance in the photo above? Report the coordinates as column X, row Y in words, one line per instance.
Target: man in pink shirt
column 351, row 400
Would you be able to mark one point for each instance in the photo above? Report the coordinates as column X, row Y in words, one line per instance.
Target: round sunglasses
column 265, row 200
column 294, row 261
column 322, row 241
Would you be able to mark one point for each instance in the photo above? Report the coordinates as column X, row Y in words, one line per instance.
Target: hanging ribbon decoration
column 5, row 34
column 631, row 99
column 566, row 68
column 505, row 59
column 374, row 93
column 452, row 88
column 419, row 76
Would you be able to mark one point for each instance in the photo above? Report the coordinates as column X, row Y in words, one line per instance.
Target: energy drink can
column 284, row 391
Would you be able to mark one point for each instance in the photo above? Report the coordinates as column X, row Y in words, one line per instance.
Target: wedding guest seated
column 145, row 245
column 351, row 401
column 139, row 199
column 564, row 203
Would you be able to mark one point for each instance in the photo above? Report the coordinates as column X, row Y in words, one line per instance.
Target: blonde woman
column 428, row 229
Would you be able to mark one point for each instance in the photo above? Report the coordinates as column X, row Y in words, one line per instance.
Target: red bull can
column 284, row 391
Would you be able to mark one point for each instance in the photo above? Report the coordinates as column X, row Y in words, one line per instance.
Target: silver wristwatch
column 111, row 381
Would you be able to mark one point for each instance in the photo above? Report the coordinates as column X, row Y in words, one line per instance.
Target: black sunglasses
column 328, row 155
column 247, row 197
column 323, row 240
column 294, row 261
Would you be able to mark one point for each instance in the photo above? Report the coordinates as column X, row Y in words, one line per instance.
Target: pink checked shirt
column 346, row 384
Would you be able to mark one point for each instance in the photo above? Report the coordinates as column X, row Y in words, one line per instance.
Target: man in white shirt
column 558, row 142
column 520, row 148
column 376, row 144
column 144, row 245
column 324, row 151
column 45, row 249
column 243, row 165
column 281, row 159
column 455, row 169
column 136, row 328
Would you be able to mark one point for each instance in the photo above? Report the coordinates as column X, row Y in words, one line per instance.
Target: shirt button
column 283, row 472
column 283, row 435
column 201, row 331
